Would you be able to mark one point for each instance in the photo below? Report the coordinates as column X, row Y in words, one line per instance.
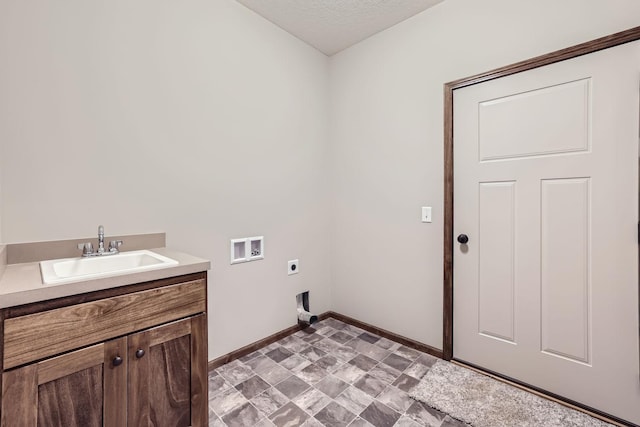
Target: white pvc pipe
column 306, row 317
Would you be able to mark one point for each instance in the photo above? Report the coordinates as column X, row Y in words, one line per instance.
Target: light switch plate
column 426, row 214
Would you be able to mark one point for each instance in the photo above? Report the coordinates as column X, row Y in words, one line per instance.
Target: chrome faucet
column 87, row 248
column 100, row 239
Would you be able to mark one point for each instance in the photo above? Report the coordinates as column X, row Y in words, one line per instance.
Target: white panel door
column 546, row 189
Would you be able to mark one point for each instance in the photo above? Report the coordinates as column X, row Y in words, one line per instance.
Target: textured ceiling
column 333, row 25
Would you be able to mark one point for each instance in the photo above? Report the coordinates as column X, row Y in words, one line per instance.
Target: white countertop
column 22, row 283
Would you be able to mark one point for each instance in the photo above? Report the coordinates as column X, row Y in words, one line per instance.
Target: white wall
column 1, row 201
column 203, row 120
column 198, row 118
column 387, row 144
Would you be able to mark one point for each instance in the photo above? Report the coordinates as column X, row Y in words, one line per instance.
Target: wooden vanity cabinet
column 153, row 374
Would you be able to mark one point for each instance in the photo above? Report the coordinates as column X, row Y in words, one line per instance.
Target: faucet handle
column 87, row 248
column 114, row 245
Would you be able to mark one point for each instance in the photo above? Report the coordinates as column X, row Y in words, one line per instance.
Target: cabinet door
column 81, row 388
column 168, row 375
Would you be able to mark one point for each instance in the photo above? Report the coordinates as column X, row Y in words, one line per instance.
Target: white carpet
column 484, row 402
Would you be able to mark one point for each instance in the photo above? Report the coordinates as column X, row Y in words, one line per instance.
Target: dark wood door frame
column 616, row 39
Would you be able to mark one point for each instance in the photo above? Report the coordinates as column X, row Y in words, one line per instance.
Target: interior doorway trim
column 606, row 42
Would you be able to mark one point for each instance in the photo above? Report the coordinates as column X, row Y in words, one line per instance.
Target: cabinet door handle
column 117, row 361
column 139, row 353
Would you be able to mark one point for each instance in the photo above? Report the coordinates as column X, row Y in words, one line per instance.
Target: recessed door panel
column 565, row 277
column 506, row 130
column 496, row 260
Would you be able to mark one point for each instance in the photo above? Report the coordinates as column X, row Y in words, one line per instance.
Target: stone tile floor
column 332, row 374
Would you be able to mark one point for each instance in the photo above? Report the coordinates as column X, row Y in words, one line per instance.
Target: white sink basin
column 58, row 271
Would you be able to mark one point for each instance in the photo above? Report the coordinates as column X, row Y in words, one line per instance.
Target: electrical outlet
column 293, row 267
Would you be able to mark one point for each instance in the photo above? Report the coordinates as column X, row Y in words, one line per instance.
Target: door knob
column 117, row 361
column 139, row 353
column 463, row 238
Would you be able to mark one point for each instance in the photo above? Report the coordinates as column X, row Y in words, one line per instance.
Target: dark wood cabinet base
column 136, row 357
